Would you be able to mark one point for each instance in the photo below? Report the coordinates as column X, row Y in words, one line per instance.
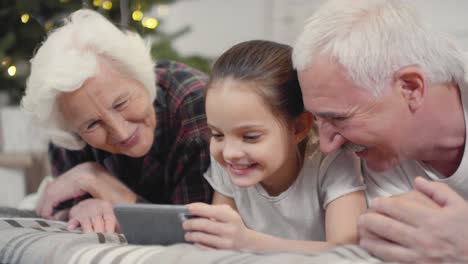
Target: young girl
column 278, row 194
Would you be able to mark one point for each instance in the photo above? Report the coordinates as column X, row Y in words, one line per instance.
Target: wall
column 218, row 24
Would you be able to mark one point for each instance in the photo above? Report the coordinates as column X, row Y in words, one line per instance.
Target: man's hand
column 93, row 215
column 424, row 226
column 85, row 178
column 220, row 227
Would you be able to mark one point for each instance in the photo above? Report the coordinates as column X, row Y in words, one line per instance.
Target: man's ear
column 302, row 126
column 410, row 83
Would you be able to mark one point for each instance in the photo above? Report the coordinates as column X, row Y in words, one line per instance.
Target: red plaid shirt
column 172, row 171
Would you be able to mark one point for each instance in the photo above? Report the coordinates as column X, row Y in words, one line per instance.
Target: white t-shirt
column 299, row 212
column 400, row 179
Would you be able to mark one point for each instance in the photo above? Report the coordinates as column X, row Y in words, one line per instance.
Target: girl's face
column 247, row 138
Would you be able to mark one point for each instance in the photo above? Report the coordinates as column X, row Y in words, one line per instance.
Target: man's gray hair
column 70, row 56
column 373, row 39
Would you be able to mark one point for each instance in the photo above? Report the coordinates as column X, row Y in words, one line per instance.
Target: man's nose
column 330, row 138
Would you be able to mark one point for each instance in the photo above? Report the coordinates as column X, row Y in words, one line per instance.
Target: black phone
column 152, row 224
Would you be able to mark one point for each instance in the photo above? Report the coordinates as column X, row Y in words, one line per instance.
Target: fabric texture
column 36, row 241
column 172, row 171
column 400, row 179
column 299, row 212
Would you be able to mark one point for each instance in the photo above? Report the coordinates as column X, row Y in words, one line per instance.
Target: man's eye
column 340, row 118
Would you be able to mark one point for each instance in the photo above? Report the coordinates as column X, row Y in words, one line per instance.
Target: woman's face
column 111, row 112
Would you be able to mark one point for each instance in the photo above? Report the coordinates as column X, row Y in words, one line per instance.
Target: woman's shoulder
column 178, row 84
column 167, row 70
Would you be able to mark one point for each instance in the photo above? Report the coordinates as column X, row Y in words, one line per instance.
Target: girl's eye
column 252, row 137
column 216, row 136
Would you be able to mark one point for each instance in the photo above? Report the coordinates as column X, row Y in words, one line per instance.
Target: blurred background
column 191, row 31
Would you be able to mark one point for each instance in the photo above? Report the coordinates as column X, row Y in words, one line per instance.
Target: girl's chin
column 243, row 183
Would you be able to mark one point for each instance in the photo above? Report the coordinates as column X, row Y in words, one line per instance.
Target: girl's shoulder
column 315, row 157
column 314, row 154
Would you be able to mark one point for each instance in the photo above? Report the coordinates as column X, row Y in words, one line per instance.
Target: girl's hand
column 219, row 227
column 93, row 215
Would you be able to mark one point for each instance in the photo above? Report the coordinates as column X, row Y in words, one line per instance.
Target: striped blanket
column 32, row 240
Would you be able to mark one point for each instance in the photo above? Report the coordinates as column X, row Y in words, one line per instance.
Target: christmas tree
column 25, row 24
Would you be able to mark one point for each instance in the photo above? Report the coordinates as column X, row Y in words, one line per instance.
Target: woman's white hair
column 372, row 39
column 69, row 56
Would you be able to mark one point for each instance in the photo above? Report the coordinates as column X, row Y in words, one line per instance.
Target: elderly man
column 384, row 84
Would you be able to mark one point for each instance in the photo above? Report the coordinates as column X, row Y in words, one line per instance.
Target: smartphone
column 152, row 224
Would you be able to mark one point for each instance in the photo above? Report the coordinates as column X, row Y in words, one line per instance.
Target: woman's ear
column 302, row 126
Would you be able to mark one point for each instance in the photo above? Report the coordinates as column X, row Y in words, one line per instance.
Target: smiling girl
column 274, row 190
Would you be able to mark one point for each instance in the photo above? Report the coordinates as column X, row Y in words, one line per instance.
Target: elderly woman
column 123, row 129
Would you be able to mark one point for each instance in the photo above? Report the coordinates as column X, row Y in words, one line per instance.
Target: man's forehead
column 327, row 106
column 332, row 101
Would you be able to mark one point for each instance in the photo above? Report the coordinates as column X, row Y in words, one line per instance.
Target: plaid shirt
column 172, row 171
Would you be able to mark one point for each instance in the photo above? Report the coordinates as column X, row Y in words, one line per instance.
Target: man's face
column 349, row 116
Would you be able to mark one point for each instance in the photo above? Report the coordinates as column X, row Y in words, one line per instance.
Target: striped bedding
column 32, row 240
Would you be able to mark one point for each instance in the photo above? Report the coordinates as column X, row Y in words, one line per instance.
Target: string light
column 25, row 18
column 137, row 15
column 48, row 25
column 97, row 3
column 107, row 5
column 6, row 61
column 11, row 70
column 150, row 22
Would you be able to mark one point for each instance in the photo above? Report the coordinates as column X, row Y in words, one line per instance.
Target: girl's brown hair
column 267, row 64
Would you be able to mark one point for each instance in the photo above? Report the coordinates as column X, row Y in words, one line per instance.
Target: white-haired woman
column 114, row 141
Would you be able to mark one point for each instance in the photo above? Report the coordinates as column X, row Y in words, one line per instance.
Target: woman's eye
column 120, row 105
column 92, row 125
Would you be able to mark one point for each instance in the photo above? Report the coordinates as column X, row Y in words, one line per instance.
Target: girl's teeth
column 240, row 167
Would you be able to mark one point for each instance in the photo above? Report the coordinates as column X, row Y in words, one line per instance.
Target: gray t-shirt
column 400, row 179
column 299, row 212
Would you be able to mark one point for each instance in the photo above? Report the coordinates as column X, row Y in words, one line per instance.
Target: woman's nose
column 118, row 128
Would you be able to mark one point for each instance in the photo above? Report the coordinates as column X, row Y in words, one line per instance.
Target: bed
column 25, row 239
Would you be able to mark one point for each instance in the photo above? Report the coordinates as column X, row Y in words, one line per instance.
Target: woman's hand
column 93, row 215
column 219, row 227
column 85, row 178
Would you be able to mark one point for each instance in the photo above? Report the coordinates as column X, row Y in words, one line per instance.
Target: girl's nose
column 232, row 151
